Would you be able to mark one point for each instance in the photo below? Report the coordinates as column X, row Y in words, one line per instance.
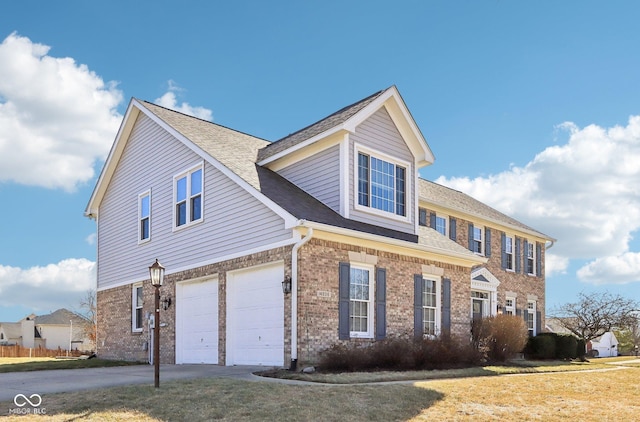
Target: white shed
column 605, row 346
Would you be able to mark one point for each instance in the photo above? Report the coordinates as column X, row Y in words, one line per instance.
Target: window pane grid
column 429, row 304
column 359, row 300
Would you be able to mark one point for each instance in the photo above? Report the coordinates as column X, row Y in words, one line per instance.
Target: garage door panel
column 256, row 316
column 197, row 322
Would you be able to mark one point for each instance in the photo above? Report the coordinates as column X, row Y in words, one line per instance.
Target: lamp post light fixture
column 156, row 272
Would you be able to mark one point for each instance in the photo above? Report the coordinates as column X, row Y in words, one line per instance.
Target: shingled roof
column 237, row 151
column 60, row 317
column 452, row 199
column 317, row 128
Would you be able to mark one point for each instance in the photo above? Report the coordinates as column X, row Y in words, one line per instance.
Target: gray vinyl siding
column 233, row 220
column 379, row 133
column 318, row 175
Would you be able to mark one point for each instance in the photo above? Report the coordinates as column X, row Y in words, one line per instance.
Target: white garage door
column 255, row 316
column 197, row 322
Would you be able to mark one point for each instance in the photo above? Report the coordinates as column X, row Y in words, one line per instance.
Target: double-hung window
column 144, row 216
column 430, row 306
column 382, row 185
column 531, row 318
column 361, row 301
column 510, row 306
column 136, row 308
column 477, row 242
column 531, row 258
column 441, row 225
column 188, row 197
column 508, row 250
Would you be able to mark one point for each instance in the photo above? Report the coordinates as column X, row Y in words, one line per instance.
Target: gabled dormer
column 361, row 161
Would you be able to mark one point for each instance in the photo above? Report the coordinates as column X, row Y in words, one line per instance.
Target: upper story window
column 441, row 225
column 144, row 216
column 477, row 240
column 422, row 216
column 531, row 258
column 188, row 197
column 381, row 184
column 508, row 251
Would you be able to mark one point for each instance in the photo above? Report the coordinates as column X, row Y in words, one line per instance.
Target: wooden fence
column 17, row 351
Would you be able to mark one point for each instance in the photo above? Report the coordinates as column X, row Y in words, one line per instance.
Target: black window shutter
column 446, row 306
column 503, row 249
column 343, row 301
column 422, row 216
column 538, row 259
column 538, row 322
column 417, row 306
column 518, row 258
column 432, row 220
column 518, row 312
column 452, row 228
column 471, row 237
column 381, row 303
column 487, row 241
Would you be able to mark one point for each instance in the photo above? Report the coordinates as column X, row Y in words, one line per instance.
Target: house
column 60, row 329
column 336, row 210
column 604, row 346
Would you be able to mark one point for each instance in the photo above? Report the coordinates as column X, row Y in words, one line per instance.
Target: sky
column 532, row 107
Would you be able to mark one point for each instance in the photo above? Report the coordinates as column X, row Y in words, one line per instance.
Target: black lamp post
column 156, row 271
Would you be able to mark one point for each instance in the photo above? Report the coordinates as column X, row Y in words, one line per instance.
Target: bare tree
column 597, row 313
column 88, row 309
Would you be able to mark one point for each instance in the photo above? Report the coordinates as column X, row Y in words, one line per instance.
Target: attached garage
column 255, row 316
column 197, row 322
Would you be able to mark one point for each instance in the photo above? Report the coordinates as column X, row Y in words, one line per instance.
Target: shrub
column 499, row 338
column 581, row 349
column 566, row 346
column 400, row 353
column 542, row 346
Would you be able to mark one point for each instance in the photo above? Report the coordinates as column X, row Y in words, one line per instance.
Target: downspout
column 294, row 295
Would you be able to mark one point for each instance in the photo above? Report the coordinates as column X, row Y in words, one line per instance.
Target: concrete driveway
column 66, row 380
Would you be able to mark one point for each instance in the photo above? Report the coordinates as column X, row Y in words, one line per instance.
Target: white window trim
column 438, row 281
column 446, row 223
column 483, row 233
column 142, row 195
column 532, row 311
column 371, row 302
column 134, row 298
column 532, row 246
column 178, row 176
column 513, row 252
column 511, row 308
column 408, row 189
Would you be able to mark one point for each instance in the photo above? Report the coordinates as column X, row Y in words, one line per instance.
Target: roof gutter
column 294, row 293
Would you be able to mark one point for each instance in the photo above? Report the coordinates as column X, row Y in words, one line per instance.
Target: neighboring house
column 60, row 329
column 337, row 208
column 604, row 346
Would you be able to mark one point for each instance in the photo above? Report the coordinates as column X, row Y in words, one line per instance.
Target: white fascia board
column 289, row 220
column 299, row 146
column 464, row 214
column 471, row 258
column 126, row 126
column 391, row 99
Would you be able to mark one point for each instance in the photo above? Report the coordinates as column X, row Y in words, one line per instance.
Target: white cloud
column 585, row 193
column 169, row 100
column 48, row 288
column 57, row 117
column 555, row 264
column 620, row 269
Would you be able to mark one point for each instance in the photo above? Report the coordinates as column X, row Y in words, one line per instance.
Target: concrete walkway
column 67, row 380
